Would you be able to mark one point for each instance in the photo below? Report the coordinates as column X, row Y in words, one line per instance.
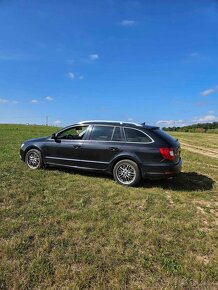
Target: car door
column 65, row 148
column 104, row 143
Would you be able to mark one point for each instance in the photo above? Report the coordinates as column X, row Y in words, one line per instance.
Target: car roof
column 117, row 123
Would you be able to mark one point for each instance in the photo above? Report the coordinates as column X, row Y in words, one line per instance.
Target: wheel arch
column 33, row 147
column 123, row 157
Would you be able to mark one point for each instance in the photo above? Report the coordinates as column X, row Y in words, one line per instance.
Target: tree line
column 198, row 128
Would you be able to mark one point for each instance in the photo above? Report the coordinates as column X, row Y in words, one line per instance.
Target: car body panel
column 66, row 152
column 99, row 155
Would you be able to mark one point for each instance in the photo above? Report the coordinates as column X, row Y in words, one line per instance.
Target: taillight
column 167, row 153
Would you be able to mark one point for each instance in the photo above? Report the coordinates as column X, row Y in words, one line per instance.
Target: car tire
column 127, row 172
column 33, row 159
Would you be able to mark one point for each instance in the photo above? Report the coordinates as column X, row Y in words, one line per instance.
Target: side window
column 117, row 134
column 102, row 133
column 133, row 135
column 74, row 133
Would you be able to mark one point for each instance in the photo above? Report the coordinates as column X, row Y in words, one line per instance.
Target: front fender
column 26, row 148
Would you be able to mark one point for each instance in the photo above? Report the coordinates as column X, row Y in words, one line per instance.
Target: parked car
column 129, row 151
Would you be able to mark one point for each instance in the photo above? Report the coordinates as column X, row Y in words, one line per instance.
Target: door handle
column 113, row 148
column 76, row 146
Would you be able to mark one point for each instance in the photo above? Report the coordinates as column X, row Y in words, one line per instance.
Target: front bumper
column 161, row 171
column 22, row 154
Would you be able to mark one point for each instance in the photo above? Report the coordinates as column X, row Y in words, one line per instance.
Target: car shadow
column 185, row 181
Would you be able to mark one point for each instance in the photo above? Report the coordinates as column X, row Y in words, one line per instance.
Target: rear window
column 133, row 135
column 165, row 136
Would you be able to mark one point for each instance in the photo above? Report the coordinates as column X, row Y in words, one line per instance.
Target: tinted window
column 133, row 135
column 117, row 134
column 74, row 133
column 165, row 136
column 102, row 133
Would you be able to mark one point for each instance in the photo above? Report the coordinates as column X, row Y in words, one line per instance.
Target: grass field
column 70, row 230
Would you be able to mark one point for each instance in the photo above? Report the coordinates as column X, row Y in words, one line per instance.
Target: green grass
column 209, row 141
column 64, row 229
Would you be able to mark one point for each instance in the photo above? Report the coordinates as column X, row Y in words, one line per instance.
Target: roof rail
column 109, row 121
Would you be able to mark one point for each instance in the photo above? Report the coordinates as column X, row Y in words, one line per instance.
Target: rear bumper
column 161, row 171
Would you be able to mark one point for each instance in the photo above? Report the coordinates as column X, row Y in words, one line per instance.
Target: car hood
column 37, row 139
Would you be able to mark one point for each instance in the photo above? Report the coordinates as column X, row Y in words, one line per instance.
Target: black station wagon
column 129, row 151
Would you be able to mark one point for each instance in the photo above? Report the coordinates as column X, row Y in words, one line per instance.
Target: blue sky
column 135, row 60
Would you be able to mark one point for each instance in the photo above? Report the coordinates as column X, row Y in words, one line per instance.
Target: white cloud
column 93, row 57
column 127, row 22
column 17, row 56
column 71, row 75
column 4, row 101
column 209, row 118
column 57, row 122
column 49, row 98
column 206, row 119
column 34, row 101
column 74, row 76
column 195, row 54
column 170, row 123
column 198, row 56
column 207, row 92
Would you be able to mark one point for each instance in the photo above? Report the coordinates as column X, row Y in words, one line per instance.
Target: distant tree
column 200, row 128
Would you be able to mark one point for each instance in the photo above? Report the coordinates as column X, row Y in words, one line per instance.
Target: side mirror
column 54, row 136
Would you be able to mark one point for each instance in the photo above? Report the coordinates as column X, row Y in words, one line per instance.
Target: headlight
column 22, row 145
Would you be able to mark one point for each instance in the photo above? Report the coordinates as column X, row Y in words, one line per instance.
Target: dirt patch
column 201, row 210
column 200, row 150
column 208, row 208
column 207, row 165
column 203, row 259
